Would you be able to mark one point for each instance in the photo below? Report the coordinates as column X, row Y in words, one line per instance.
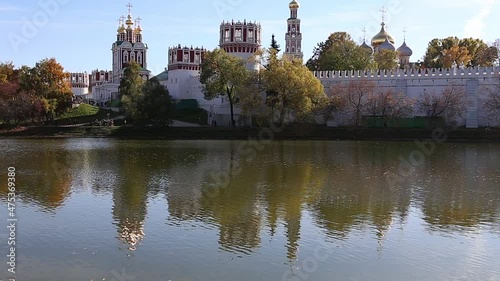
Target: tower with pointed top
column 293, row 37
column 129, row 47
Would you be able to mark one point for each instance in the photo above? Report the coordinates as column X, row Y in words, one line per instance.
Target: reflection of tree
column 288, row 187
column 44, row 177
column 357, row 193
column 459, row 195
column 235, row 208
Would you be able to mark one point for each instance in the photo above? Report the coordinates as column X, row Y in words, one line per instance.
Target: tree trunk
column 233, row 122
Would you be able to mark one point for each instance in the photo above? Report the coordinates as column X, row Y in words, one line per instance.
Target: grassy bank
column 85, row 114
column 296, row 133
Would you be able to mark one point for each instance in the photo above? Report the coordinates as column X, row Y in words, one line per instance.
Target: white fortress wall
column 476, row 82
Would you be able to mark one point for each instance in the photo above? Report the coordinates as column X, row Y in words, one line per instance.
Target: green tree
column 131, row 90
column 224, row 75
column 386, row 59
column 296, row 89
column 275, row 45
column 157, row 105
column 339, row 52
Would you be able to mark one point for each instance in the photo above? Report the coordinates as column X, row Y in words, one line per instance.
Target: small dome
column 387, row 45
column 405, row 51
column 294, row 5
column 365, row 46
column 381, row 37
column 129, row 21
column 121, row 29
column 138, row 29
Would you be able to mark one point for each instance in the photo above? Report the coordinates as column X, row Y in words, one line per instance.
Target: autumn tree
column 469, row 52
column 492, row 100
column 223, row 75
column 353, row 96
column 297, row 91
column 450, row 103
column 48, row 81
column 386, row 59
column 131, row 90
column 389, row 105
column 15, row 104
column 339, row 52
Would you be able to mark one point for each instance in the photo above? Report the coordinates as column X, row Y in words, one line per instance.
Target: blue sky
column 79, row 34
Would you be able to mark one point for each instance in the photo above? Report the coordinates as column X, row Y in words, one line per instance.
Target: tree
column 449, row 104
column 47, row 80
column 389, row 105
column 296, row 90
column 157, row 105
column 275, row 45
column 386, row 59
column 223, row 75
column 469, row 52
column 339, row 52
column 131, row 90
column 353, row 95
column 492, row 100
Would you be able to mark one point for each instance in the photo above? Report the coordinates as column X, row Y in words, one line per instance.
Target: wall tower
column 241, row 39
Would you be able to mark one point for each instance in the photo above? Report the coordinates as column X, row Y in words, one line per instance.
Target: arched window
column 125, row 56
column 139, row 57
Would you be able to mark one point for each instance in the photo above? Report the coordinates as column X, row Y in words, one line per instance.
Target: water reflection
column 340, row 184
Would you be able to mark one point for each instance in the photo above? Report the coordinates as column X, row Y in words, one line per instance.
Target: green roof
column 162, row 76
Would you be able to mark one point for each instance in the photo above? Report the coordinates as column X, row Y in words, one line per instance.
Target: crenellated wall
column 414, row 82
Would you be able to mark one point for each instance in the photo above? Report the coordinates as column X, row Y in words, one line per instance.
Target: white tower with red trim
column 129, row 47
column 241, row 39
column 293, row 37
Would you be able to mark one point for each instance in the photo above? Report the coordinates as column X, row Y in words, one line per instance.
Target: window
column 238, row 35
column 186, row 58
column 197, row 58
column 125, row 56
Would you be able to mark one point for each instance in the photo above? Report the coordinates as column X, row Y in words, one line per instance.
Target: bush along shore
column 297, row 132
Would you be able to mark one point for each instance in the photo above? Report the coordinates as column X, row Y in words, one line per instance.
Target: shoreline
column 299, row 132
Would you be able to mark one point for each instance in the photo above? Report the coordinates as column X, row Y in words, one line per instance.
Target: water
column 93, row 209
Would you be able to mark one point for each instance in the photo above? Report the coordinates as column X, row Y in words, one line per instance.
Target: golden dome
column 138, row 29
column 129, row 21
column 121, row 29
column 294, row 5
column 381, row 37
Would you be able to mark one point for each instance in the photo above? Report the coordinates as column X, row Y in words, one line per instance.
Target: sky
column 79, row 34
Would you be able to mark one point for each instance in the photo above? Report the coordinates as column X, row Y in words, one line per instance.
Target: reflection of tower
column 241, row 39
column 293, row 36
column 130, row 208
column 129, row 46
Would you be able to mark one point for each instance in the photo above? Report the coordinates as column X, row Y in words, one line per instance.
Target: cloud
column 474, row 27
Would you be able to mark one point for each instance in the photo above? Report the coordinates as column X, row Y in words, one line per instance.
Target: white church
column 243, row 39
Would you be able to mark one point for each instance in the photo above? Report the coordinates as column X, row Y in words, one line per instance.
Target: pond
column 104, row 209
